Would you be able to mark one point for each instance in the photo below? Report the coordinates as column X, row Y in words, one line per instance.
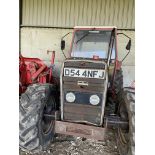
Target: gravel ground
column 68, row 145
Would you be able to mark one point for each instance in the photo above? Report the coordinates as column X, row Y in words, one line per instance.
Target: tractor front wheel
column 36, row 128
column 126, row 111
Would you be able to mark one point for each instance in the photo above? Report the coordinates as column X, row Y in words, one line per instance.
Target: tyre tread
column 30, row 104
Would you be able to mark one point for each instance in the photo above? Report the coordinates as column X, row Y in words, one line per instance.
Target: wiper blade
column 85, row 35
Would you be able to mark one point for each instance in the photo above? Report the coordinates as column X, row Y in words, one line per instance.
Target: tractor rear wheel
column 36, row 128
column 126, row 111
column 118, row 81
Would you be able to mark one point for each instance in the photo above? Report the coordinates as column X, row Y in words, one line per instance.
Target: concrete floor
column 67, row 145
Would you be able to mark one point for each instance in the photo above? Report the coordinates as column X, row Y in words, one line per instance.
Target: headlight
column 70, row 97
column 94, row 100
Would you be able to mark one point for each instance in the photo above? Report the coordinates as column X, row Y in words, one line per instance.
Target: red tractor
column 38, row 91
column 33, row 70
column 91, row 98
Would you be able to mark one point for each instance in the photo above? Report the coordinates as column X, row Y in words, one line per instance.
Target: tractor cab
column 93, row 43
column 96, row 44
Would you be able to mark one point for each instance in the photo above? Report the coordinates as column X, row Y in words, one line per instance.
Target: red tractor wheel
column 36, row 130
column 126, row 110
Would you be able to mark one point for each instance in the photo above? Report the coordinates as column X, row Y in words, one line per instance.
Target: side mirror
column 128, row 46
column 62, row 44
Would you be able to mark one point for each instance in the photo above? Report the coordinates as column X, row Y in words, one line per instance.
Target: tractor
column 88, row 99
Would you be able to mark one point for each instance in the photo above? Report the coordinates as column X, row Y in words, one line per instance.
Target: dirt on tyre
column 126, row 111
column 36, row 128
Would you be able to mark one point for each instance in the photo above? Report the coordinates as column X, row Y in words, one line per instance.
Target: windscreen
column 89, row 43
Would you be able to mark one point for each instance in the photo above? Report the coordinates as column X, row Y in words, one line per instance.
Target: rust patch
column 80, row 130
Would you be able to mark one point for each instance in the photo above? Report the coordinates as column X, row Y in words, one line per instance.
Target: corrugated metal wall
column 68, row 13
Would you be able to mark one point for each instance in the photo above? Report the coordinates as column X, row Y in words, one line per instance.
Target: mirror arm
column 65, row 35
column 63, row 54
column 129, row 50
column 124, row 35
column 61, row 40
column 125, row 56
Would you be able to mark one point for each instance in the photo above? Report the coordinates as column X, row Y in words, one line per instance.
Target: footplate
column 80, row 130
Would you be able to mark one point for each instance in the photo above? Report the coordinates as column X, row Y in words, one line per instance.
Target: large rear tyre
column 36, row 128
column 118, row 81
column 126, row 110
column 113, row 97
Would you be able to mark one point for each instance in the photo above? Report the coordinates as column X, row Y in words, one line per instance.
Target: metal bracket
column 82, row 83
column 115, row 122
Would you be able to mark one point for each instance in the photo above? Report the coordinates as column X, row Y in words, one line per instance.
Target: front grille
column 82, row 113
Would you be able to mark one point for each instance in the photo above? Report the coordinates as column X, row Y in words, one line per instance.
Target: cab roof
column 96, row 27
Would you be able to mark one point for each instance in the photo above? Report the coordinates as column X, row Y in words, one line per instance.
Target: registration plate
column 84, row 73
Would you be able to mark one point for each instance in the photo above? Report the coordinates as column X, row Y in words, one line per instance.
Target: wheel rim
column 47, row 121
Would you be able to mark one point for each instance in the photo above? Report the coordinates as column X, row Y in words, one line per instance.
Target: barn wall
column 68, row 13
